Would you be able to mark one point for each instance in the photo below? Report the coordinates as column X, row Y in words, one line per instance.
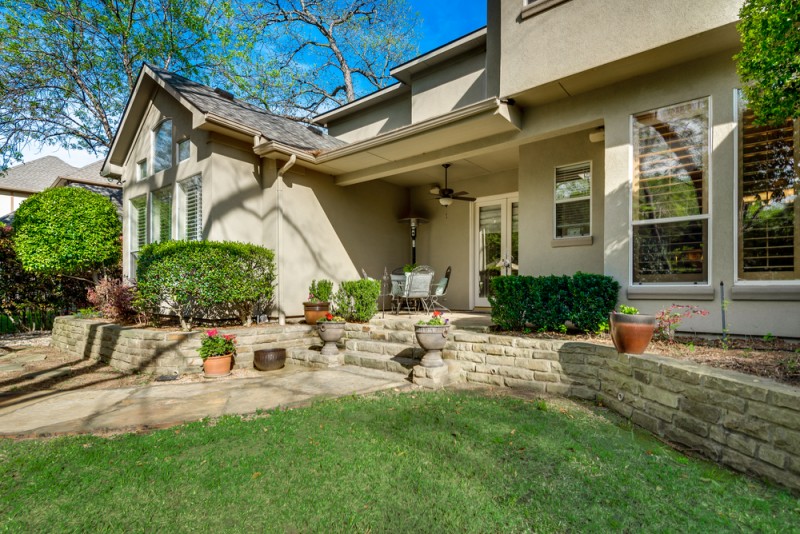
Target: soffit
column 461, row 169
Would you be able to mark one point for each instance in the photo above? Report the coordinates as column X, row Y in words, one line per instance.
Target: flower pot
column 432, row 339
column 330, row 333
column 215, row 366
column 314, row 311
column 269, row 359
column 631, row 333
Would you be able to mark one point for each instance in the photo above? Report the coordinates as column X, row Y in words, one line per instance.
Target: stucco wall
column 376, row 119
column 537, row 163
column 449, row 86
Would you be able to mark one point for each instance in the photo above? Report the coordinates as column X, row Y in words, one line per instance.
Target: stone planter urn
column 432, row 338
column 631, row 333
column 330, row 332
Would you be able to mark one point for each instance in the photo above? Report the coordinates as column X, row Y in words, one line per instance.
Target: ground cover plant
column 414, row 462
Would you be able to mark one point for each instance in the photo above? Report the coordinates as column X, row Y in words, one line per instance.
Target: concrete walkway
column 47, row 413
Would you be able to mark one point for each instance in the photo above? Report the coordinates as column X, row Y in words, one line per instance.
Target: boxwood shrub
column 205, row 280
column 357, row 300
column 546, row 303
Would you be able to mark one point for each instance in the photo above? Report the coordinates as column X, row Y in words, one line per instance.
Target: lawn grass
column 422, row 462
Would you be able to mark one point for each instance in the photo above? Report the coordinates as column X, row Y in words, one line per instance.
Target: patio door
column 496, row 242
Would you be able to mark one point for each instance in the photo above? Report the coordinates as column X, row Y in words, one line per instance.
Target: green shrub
column 357, row 300
column 546, row 303
column 205, row 280
column 320, row 291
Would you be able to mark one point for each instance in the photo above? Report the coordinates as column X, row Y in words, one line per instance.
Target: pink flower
column 211, row 333
column 228, row 337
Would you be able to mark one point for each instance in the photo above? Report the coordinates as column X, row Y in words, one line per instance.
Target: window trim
column 578, row 239
column 531, row 8
column 153, row 139
column 708, row 216
column 139, row 176
column 133, row 231
column 151, row 227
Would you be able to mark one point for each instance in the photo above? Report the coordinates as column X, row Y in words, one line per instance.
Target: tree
column 67, row 231
column 69, row 65
column 769, row 62
column 323, row 53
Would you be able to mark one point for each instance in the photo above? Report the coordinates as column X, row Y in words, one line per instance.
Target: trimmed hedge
column 205, row 280
column 357, row 300
column 545, row 303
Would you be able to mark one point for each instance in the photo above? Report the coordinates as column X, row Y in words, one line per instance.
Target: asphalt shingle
column 36, row 175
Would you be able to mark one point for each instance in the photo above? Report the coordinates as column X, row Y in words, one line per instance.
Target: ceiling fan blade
column 469, row 199
column 435, row 190
column 460, row 194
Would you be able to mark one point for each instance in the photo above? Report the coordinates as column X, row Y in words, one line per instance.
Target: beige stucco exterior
column 506, row 106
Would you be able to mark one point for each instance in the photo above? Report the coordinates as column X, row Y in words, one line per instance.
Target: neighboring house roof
column 34, row 176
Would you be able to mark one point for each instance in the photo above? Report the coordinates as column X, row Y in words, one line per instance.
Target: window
column 141, row 170
column 191, row 209
column 534, row 7
column 767, row 199
column 183, row 150
column 138, row 229
column 670, row 194
column 161, row 215
column 162, row 146
column 573, row 200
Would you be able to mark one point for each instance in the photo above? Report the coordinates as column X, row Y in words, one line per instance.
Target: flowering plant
column 669, row 319
column 330, row 318
column 320, row 291
column 435, row 320
column 215, row 344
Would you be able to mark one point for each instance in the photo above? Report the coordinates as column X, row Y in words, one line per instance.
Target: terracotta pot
column 269, row 359
column 314, row 311
column 631, row 333
column 330, row 333
column 432, row 339
column 214, row 366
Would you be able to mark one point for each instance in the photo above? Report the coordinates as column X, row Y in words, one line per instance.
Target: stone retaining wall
column 745, row 422
column 146, row 350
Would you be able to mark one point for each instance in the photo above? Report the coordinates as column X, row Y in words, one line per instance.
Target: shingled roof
column 36, row 175
column 272, row 127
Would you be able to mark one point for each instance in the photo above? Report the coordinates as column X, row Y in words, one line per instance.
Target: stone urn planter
column 269, row 359
column 314, row 311
column 330, row 332
column 432, row 338
column 631, row 333
column 216, row 366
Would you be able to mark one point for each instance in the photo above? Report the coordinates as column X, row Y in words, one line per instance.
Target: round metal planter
column 269, row 359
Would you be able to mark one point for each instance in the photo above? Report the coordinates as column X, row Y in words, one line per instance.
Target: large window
column 162, row 146
column 573, row 194
column 138, row 229
column 670, row 194
column 191, row 209
column 767, row 199
column 161, row 215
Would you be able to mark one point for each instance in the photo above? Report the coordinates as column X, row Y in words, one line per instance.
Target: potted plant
column 217, row 351
column 318, row 304
column 330, row 329
column 631, row 332
column 432, row 336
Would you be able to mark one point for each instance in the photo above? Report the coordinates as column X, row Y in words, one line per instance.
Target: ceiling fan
column 446, row 195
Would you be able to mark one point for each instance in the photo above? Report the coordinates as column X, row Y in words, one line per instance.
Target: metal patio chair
column 414, row 290
column 439, row 292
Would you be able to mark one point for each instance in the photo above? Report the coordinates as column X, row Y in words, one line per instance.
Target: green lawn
column 424, row 462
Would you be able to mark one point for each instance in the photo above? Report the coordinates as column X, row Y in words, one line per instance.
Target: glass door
column 497, row 243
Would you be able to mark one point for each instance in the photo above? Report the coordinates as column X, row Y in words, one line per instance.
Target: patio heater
column 414, row 220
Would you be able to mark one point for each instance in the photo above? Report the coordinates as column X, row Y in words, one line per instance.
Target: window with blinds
column 161, row 215
column 192, row 209
column 767, row 199
column 162, row 146
column 138, row 229
column 670, row 194
column 573, row 200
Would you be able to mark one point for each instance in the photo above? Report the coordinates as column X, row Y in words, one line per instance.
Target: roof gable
column 36, row 175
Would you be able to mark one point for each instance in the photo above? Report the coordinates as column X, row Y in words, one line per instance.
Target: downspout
column 279, row 204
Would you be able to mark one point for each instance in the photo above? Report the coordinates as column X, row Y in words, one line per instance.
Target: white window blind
column 768, row 207
column 161, row 215
column 137, row 230
column 192, row 207
column 670, row 194
column 573, row 200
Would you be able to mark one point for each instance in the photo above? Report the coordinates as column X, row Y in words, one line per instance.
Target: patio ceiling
column 461, row 169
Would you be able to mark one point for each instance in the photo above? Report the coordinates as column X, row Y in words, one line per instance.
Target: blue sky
column 441, row 23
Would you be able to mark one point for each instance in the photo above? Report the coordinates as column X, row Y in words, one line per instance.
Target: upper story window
column 533, row 7
column 670, row 194
column 141, row 170
column 573, row 200
column 768, row 211
column 183, row 150
column 162, row 146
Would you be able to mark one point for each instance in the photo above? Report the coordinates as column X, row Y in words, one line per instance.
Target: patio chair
column 386, row 291
column 416, row 289
column 439, row 292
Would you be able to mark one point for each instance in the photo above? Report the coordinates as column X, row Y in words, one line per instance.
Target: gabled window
column 183, row 150
column 161, row 215
column 138, row 229
column 573, row 200
column 191, row 209
column 670, row 224
column 769, row 222
column 162, row 146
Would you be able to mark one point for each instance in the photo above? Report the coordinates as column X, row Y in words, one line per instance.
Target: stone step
column 387, row 348
column 383, row 362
